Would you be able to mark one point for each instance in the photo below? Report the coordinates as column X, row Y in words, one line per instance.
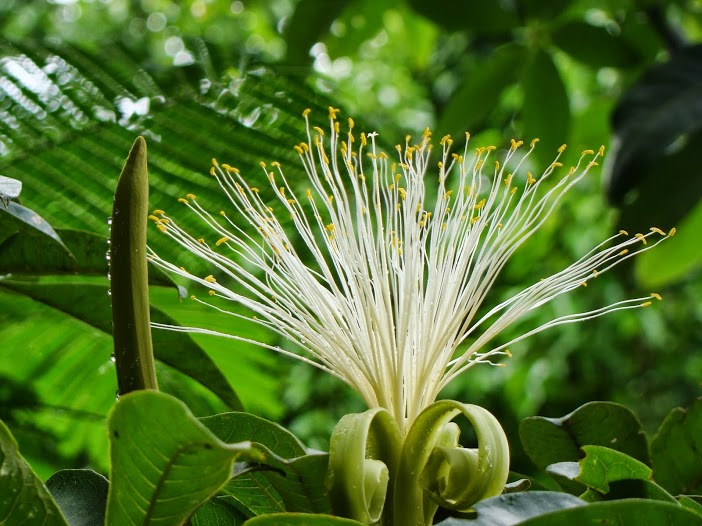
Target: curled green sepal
column 434, row 471
column 363, row 454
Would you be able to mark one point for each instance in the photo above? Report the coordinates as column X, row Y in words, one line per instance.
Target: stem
column 131, row 330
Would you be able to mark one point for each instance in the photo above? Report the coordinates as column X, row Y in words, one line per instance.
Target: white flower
column 389, row 305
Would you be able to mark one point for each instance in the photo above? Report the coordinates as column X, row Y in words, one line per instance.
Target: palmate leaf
column 67, row 119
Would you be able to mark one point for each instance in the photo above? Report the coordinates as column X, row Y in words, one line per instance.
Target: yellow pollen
column 201, row 241
column 333, row 112
column 183, row 200
column 588, row 152
column 595, row 273
column 193, row 297
column 657, row 296
column 602, row 150
column 672, row 232
column 212, row 170
column 222, row 240
column 624, row 232
column 319, row 130
column 624, row 252
column 211, row 292
column 351, row 123
column 467, row 136
column 562, row 148
column 161, row 227
column 533, row 142
column 159, row 211
column 497, row 166
column 641, row 237
column 281, row 190
column 214, row 161
column 584, row 283
column 509, row 354
column 646, row 304
column 530, row 178
column 306, row 112
column 190, row 196
column 254, row 189
column 210, row 279
column 657, row 231
column 298, row 149
column 154, row 218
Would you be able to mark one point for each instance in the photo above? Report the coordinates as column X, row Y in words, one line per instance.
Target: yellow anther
column 351, row 123
column 490, row 148
column 183, row 200
column 275, row 164
column 646, row 304
column 624, row 252
column 212, row 170
column 190, row 196
column 584, row 283
column 319, row 130
column 222, row 213
column 254, row 189
column 533, row 142
column 222, row 240
column 513, row 190
column 602, row 150
column 161, row 227
column 263, row 165
column 592, row 163
column 509, row 354
column 193, row 297
column 211, row 292
column 497, row 166
column 508, row 180
column 530, row 178
column 623, row 232
column 657, row 230
column 164, row 221
column 308, row 193
column 292, row 201
column 214, row 162
column 201, row 241
column 298, row 149
column 588, row 152
column 330, row 198
column 445, row 140
column 337, row 127
column 154, row 218
column 402, row 192
column 641, row 237
column 364, row 141
column 281, row 190
column 657, row 296
column 556, row 164
column 210, row 279
column 467, row 136
column 595, row 273
column 562, row 148
column 672, row 232
column 333, row 112
column 382, row 155
column 159, row 212
column 306, row 112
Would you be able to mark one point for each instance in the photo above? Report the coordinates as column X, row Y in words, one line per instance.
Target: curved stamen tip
column 190, row 196
column 183, row 200
column 657, row 230
column 672, row 232
column 657, row 296
column 210, row 279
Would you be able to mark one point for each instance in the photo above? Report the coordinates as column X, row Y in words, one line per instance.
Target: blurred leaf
column 675, row 259
column 309, row 24
column 81, row 494
column 631, row 512
column 300, row 519
column 23, row 498
column 691, row 504
column 662, row 107
column 514, row 508
column 90, row 303
column 480, row 91
column 164, row 463
column 546, row 109
column 676, row 451
column 594, row 45
column 16, row 219
column 487, row 17
column 551, row 440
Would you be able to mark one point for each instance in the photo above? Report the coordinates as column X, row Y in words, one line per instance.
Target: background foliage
column 80, row 79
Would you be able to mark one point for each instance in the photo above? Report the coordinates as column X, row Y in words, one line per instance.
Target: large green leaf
column 300, row 519
column 546, row 110
column 23, row 498
column 164, row 463
column 81, row 494
column 89, row 302
column 551, row 440
column 480, row 91
column 676, row 451
column 631, row 512
column 594, row 45
column 513, row 508
column 663, row 107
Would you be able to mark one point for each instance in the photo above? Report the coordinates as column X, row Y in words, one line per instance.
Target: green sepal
column 363, row 455
column 433, row 472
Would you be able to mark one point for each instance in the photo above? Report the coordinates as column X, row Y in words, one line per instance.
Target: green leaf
column 546, row 109
column 89, row 302
column 237, row 427
column 309, row 24
column 691, row 504
column 595, row 45
column 20, row 219
column 300, row 519
column 165, row 463
column 675, row 259
column 551, row 440
column 661, row 108
column 480, row 91
column 81, row 494
column 483, row 18
column 23, row 498
column 676, row 451
column 631, row 512
column 601, row 466
column 513, row 508
column 217, row 512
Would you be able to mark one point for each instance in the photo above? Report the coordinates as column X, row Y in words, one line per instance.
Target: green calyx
column 377, row 478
